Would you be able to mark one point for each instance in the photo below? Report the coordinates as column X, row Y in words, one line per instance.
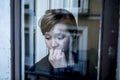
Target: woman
column 59, row 28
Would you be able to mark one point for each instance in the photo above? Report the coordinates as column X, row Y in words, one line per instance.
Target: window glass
column 61, row 39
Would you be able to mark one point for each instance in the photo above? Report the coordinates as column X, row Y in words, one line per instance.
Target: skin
column 57, row 41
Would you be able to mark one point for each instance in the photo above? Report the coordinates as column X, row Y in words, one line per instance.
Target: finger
column 55, row 52
column 58, row 54
column 51, row 52
column 62, row 55
column 62, row 50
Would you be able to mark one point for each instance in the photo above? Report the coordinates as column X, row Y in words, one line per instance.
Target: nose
column 54, row 43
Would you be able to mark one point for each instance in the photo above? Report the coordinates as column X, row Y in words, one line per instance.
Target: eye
column 60, row 36
column 47, row 36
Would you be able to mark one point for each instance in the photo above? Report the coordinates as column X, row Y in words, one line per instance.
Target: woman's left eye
column 61, row 37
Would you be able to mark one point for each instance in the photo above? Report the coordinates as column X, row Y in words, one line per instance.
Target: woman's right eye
column 48, row 37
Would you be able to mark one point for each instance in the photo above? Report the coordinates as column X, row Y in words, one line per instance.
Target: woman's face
column 58, row 37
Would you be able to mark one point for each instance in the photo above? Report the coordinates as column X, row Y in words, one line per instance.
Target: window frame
column 109, row 40
column 15, row 12
column 16, row 53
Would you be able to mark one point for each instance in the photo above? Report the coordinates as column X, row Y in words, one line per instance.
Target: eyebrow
column 61, row 30
column 64, row 30
column 47, row 33
column 55, row 34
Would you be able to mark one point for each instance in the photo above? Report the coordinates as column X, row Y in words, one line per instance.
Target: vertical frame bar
column 22, row 41
column 109, row 40
column 15, row 39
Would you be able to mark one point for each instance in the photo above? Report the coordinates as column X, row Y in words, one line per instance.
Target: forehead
column 59, row 28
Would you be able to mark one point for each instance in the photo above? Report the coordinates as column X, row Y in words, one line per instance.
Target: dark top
column 44, row 71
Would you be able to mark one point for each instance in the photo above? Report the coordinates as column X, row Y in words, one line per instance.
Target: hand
column 57, row 58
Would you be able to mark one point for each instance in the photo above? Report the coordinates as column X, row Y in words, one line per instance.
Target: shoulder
column 43, row 64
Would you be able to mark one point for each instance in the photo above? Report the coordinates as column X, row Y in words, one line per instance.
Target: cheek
column 65, row 44
column 48, row 43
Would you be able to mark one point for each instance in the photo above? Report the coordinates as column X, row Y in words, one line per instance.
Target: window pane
column 65, row 39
